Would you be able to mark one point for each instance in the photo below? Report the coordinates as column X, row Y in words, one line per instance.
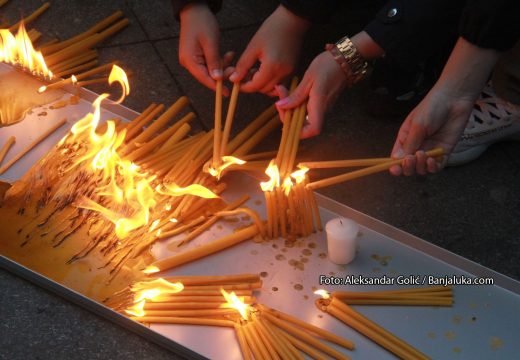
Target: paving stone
column 65, row 19
column 159, row 23
column 39, row 325
column 512, row 150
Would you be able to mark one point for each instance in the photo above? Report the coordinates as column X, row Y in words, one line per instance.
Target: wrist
column 366, row 46
column 466, row 71
column 346, row 55
column 193, row 9
column 294, row 22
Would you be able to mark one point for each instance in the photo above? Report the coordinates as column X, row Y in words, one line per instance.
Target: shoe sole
column 464, row 157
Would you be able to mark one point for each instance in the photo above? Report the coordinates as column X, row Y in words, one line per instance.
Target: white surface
column 443, row 333
column 341, row 240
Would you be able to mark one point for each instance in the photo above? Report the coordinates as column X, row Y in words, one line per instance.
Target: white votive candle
column 341, row 240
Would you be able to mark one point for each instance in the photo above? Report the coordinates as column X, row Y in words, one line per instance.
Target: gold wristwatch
column 348, row 57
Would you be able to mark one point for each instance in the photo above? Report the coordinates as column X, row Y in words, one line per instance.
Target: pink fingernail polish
column 216, row 74
column 398, row 154
column 282, row 102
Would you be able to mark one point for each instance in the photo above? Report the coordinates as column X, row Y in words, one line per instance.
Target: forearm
column 467, row 70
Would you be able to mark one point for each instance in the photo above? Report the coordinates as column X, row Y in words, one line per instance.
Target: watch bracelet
column 349, row 59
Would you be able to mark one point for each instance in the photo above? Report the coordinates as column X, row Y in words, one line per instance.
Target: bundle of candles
column 165, row 300
column 77, row 58
column 227, row 301
column 58, row 59
column 226, row 153
column 143, row 177
column 337, row 305
column 33, row 34
column 291, row 208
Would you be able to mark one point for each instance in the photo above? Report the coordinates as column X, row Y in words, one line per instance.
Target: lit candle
column 341, row 240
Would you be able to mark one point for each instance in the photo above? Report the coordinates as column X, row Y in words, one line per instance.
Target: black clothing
column 411, row 31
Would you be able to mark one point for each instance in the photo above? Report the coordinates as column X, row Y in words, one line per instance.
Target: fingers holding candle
column 322, row 83
column 366, row 171
column 437, row 121
column 199, row 43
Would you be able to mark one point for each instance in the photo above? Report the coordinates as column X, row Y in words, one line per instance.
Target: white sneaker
column 492, row 120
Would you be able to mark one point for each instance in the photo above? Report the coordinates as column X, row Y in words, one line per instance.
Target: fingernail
column 216, row 74
column 398, row 154
column 233, row 76
column 282, row 102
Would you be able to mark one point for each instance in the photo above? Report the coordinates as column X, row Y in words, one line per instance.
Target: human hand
column 199, row 45
column 440, row 118
column 437, row 121
column 276, row 45
column 322, row 83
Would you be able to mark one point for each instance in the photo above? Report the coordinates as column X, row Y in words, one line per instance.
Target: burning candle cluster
column 76, row 58
column 109, row 191
column 19, row 51
column 186, row 299
column 292, row 210
column 227, row 301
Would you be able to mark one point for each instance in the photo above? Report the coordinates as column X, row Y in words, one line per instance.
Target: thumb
column 298, row 96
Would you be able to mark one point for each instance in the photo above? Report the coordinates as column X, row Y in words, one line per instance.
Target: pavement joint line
column 177, row 83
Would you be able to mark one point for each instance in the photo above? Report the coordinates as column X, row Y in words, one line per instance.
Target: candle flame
column 154, row 225
column 193, row 189
column 74, row 79
column 151, row 269
column 287, row 186
column 323, row 293
column 119, row 76
column 150, row 290
column 299, row 175
column 129, row 191
column 19, row 51
column 274, row 177
column 237, row 303
column 227, row 161
column 137, row 309
column 149, row 294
